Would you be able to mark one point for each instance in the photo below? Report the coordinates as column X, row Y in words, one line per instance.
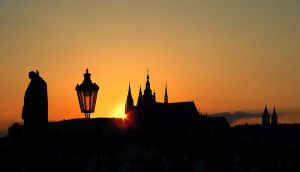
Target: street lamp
column 87, row 95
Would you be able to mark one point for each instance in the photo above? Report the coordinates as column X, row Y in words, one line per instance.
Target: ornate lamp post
column 87, row 95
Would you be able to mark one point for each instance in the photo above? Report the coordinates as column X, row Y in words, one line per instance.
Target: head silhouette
column 32, row 74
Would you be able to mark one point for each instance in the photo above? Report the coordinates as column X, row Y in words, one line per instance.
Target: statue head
column 32, row 74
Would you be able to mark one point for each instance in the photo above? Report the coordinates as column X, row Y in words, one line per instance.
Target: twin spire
column 267, row 120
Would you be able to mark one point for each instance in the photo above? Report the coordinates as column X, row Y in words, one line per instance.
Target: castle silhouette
column 149, row 112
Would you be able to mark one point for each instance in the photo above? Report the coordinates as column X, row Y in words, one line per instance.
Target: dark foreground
column 109, row 145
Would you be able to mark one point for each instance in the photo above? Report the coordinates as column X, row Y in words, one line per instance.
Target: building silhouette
column 180, row 115
column 129, row 101
column 274, row 118
column 267, row 119
column 166, row 98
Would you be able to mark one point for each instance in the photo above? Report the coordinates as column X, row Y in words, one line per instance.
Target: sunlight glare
column 119, row 111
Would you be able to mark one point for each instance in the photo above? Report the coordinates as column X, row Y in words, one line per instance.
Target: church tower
column 266, row 117
column 274, row 119
column 148, row 97
column 129, row 106
column 140, row 98
column 166, row 99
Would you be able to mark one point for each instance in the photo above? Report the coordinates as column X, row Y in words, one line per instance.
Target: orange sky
column 226, row 56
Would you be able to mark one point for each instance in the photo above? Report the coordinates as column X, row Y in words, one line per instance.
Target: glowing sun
column 119, row 111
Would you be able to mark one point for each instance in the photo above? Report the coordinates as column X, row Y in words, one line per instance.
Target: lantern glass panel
column 87, row 99
column 80, row 100
column 83, row 101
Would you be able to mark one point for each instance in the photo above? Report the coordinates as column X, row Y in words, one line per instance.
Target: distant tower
column 140, row 98
column 274, row 119
column 166, row 99
column 266, row 117
column 154, row 96
column 129, row 106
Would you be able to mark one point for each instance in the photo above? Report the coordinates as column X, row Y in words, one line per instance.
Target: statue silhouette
column 35, row 116
column 35, row 109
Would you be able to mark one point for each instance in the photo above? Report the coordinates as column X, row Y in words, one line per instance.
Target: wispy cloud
column 3, row 133
column 233, row 117
column 242, row 117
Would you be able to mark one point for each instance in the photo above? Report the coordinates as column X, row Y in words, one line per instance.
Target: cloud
column 3, row 133
column 232, row 117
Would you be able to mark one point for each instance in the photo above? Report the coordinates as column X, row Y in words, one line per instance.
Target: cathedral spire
column 140, row 92
column 166, row 99
column 274, row 119
column 147, row 74
column 266, row 110
column 148, row 96
column 129, row 101
column 148, row 90
column 266, row 117
column 148, row 80
column 129, row 91
column 139, row 102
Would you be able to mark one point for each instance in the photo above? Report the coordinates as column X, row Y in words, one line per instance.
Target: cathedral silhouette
column 149, row 112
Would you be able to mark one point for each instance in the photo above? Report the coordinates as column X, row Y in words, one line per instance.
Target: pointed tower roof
column 166, row 91
column 148, row 96
column 129, row 101
column 274, row 119
column 266, row 117
column 139, row 101
column 274, row 111
column 147, row 74
column 140, row 92
column 266, row 112
column 148, row 91
column 166, row 99
column 129, row 91
column 148, row 80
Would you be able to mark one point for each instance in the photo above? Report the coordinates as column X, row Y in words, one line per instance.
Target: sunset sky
column 226, row 55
